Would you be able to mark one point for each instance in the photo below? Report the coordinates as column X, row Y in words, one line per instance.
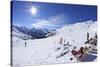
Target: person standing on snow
column 25, row 44
column 87, row 36
column 61, row 40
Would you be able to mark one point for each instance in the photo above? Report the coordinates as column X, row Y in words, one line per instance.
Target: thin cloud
column 53, row 22
column 58, row 19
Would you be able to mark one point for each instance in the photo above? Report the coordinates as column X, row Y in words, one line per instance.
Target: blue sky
column 51, row 15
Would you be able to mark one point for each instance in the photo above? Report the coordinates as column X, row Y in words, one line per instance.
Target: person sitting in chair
column 78, row 53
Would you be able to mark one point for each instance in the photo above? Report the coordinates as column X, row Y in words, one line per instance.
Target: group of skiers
column 82, row 50
column 92, row 40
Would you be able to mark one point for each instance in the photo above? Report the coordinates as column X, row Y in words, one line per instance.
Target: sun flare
column 33, row 10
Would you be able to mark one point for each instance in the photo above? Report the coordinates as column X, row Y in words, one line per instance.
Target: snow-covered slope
column 78, row 32
column 49, row 50
column 17, row 35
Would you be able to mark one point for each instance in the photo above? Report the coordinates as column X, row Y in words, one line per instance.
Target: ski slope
column 45, row 51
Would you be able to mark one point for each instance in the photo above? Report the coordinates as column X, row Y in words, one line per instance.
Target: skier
column 93, row 42
column 61, row 40
column 87, row 36
column 96, row 35
column 25, row 44
column 88, row 40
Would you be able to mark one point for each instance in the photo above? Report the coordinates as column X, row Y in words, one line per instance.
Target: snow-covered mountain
column 18, row 35
column 49, row 50
column 30, row 33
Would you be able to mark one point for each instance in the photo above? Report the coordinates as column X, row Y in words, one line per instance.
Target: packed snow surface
column 44, row 51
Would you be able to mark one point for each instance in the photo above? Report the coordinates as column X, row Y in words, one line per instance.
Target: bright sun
column 33, row 10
